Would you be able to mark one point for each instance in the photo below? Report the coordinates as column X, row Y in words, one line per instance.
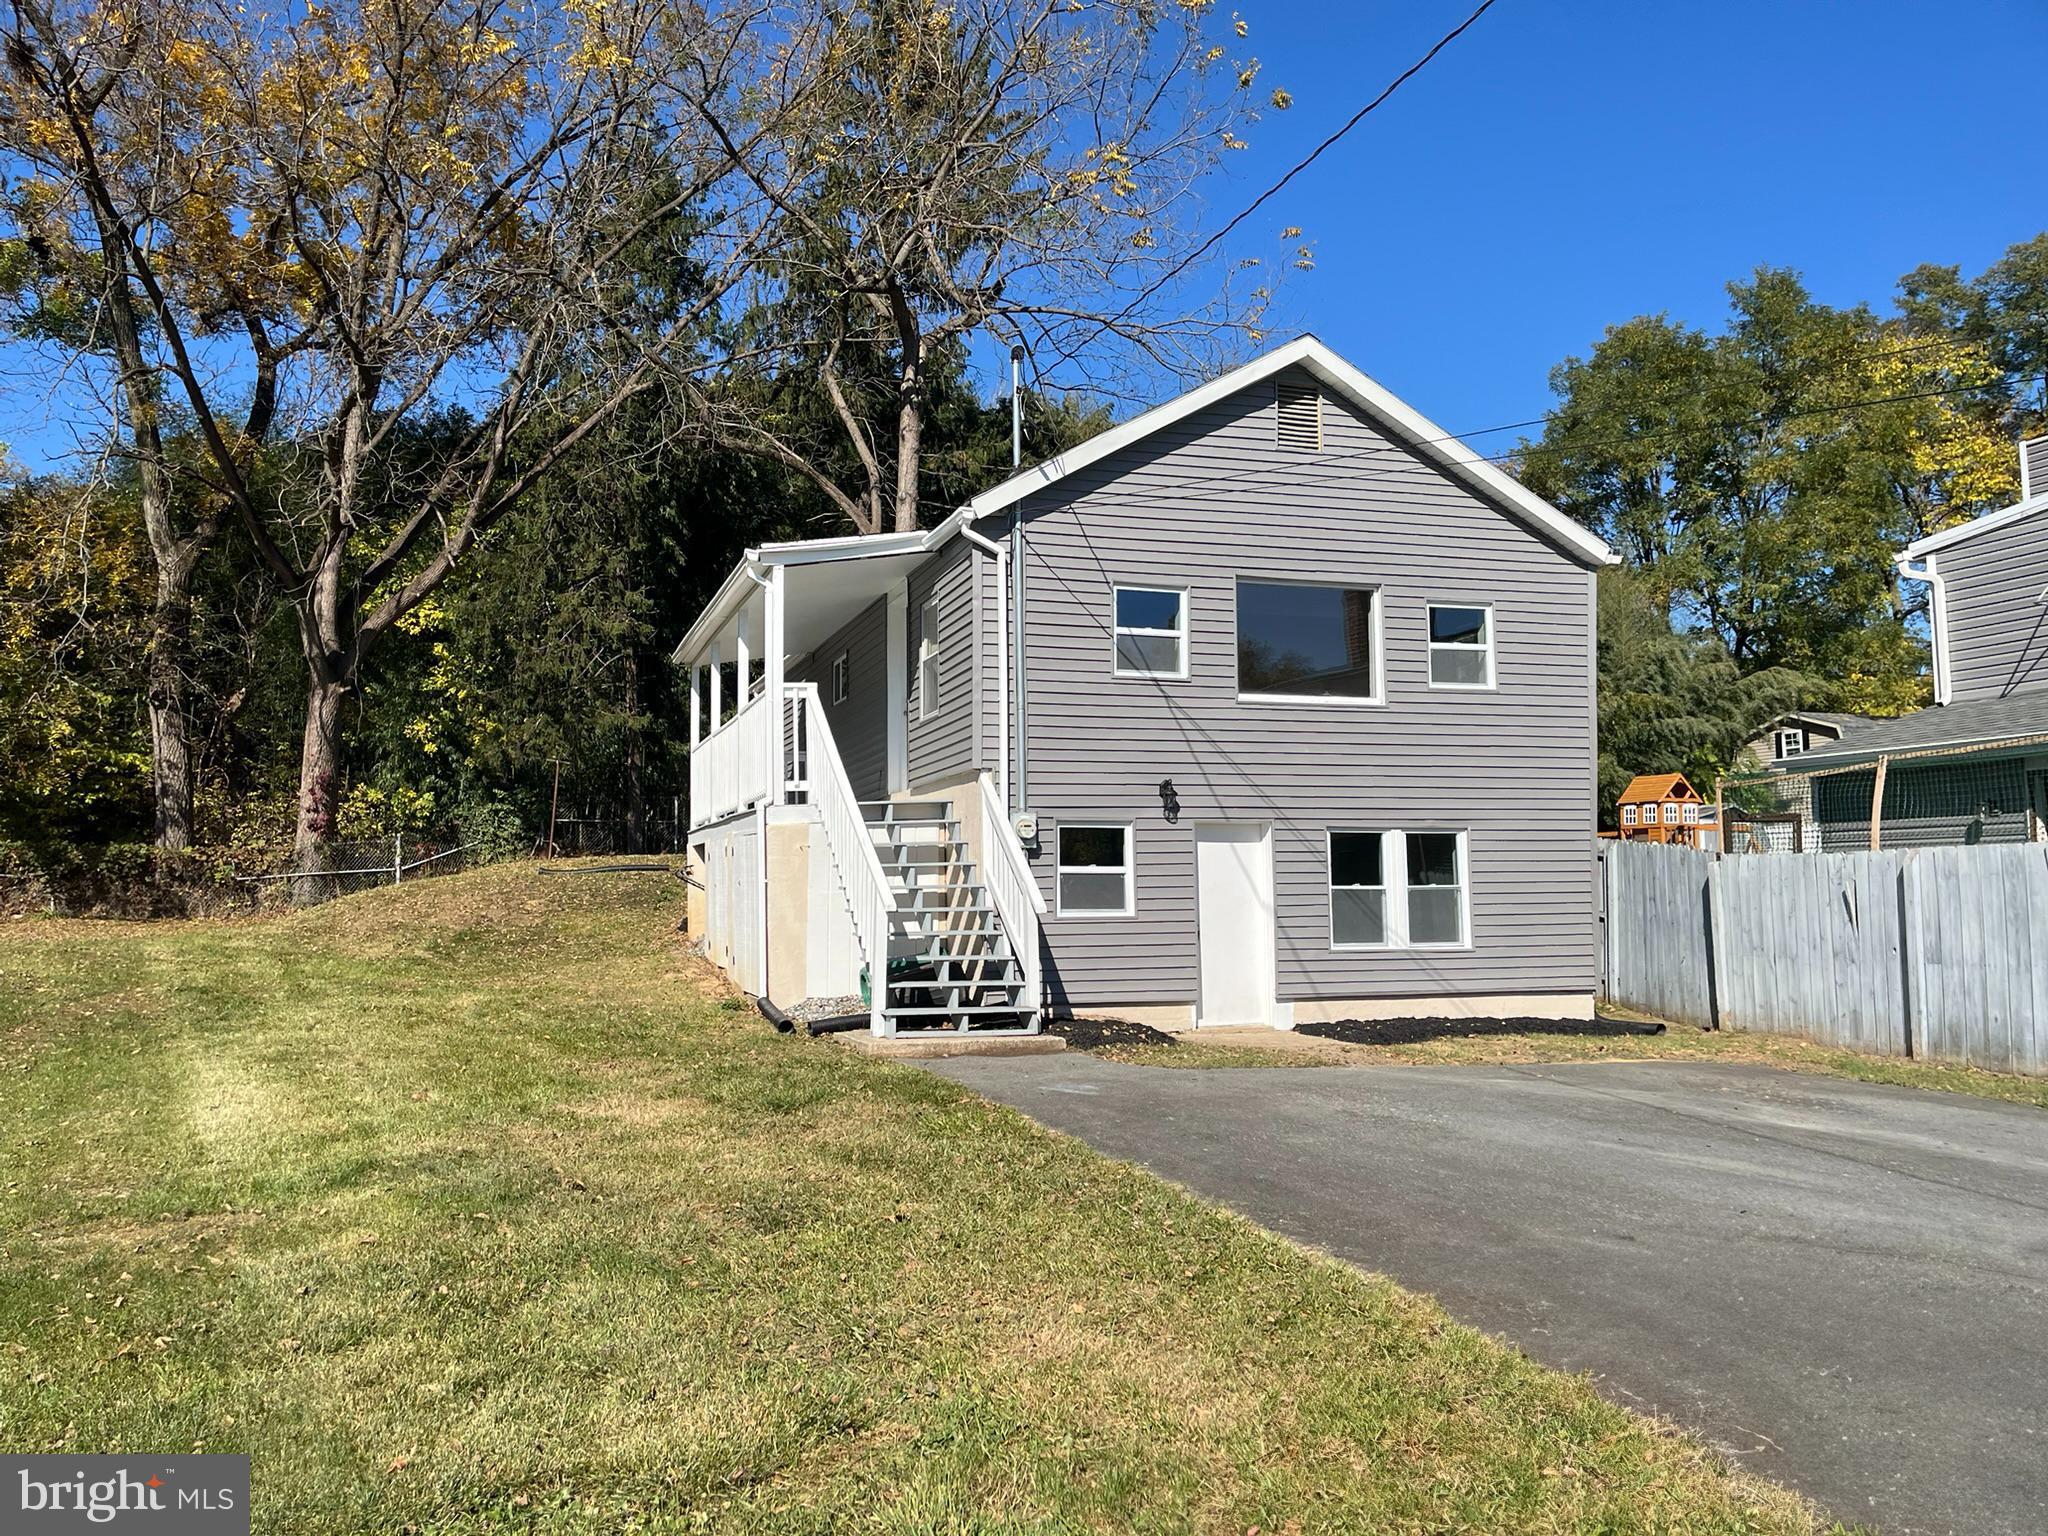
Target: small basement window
column 1094, row 876
column 1300, row 416
column 1460, row 646
column 842, row 678
column 1151, row 632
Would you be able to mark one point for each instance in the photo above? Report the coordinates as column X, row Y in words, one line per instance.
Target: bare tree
column 1028, row 169
column 440, row 240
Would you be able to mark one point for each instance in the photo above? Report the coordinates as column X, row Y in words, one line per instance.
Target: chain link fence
column 1904, row 800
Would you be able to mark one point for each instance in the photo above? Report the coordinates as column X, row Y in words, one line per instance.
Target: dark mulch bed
column 1417, row 1031
column 1094, row 1034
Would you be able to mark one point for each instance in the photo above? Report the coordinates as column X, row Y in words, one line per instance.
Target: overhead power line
column 1275, row 189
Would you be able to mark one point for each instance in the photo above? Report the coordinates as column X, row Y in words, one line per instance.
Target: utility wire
column 1274, row 190
column 1302, row 474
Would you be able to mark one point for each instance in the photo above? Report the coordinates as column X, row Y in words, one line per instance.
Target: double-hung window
column 1397, row 890
column 842, row 677
column 1301, row 641
column 1791, row 741
column 1460, row 646
column 928, row 659
column 1094, row 872
column 1151, row 632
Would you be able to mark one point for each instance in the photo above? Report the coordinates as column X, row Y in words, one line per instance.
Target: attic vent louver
column 2033, row 467
column 1301, row 416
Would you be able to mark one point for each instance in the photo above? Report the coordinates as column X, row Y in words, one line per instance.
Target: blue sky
column 1564, row 166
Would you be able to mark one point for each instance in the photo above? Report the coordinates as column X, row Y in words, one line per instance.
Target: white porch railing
column 866, row 888
column 734, row 766
column 1013, row 890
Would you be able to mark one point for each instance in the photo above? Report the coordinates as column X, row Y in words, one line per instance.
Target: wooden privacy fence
column 1934, row 953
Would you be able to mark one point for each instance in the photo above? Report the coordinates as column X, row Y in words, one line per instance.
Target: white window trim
column 1377, row 699
column 1798, row 737
column 1394, row 874
column 1432, row 646
column 929, row 652
column 1628, row 814
column 1670, row 813
column 1691, row 814
column 1130, row 869
column 842, row 677
column 1118, row 631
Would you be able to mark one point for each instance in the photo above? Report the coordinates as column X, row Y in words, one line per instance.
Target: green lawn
column 1569, row 1042
column 474, row 1205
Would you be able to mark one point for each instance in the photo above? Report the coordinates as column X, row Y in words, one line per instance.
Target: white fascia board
column 1936, row 542
column 857, row 546
column 1417, row 430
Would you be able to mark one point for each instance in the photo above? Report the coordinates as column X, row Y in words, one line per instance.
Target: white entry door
column 1234, row 914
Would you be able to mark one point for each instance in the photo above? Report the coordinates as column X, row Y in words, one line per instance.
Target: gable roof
column 1657, row 786
column 1401, row 422
column 1934, row 543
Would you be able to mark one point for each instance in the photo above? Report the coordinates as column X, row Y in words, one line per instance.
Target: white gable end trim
column 1405, row 424
column 1989, row 522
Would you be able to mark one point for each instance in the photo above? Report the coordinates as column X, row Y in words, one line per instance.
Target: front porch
column 813, row 885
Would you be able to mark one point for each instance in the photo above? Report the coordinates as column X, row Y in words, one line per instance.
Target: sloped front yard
column 471, row 1206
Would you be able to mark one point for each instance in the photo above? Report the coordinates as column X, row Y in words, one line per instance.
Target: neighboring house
column 1974, row 768
column 1792, row 736
column 1663, row 808
column 1203, row 721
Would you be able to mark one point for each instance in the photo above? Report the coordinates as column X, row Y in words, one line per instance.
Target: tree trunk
column 319, row 792
column 636, row 799
column 909, row 418
column 170, row 721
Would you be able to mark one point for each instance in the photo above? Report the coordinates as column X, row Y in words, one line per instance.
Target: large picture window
column 1094, row 871
column 1397, row 890
column 1460, row 646
column 1151, row 632
column 1300, row 641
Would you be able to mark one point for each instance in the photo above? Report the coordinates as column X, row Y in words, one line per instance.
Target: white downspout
column 1937, row 620
column 1002, row 559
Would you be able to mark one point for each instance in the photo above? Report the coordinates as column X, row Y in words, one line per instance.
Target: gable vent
column 1301, row 416
column 2033, row 467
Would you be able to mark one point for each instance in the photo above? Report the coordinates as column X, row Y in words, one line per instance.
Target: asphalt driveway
column 1843, row 1285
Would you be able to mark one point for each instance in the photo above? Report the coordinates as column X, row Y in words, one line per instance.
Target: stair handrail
column 1013, row 889
column 868, row 897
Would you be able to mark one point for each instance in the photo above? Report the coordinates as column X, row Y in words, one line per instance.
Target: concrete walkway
column 1843, row 1285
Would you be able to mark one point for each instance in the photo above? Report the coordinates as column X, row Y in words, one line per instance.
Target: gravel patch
column 814, row 1008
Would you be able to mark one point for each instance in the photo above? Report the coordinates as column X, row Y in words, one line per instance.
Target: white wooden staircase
column 952, row 960
column 946, row 943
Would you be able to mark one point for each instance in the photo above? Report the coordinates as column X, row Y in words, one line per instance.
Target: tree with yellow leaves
column 388, row 259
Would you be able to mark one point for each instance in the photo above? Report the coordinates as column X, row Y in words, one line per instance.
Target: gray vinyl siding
column 1212, row 498
column 1997, row 624
column 860, row 726
column 946, row 744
